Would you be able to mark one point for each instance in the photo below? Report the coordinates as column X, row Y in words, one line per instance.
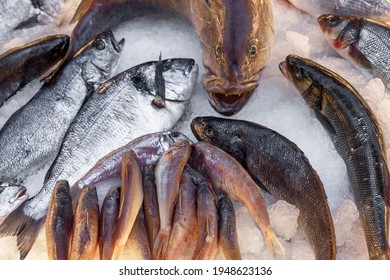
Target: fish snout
column 283, row 68
column 324, row 23
column 118, row 46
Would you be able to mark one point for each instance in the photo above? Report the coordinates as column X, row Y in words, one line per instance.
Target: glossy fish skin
column 227, row 232
column 356, row 137
column 279, row 167
column 130, row 201
column 59, row 222
column 184, row 218
column 168, row 173
column 207, row 219
column 11, row 197
column 138, row 243
column 235, row 36
column 85, row 235
column 108, row 218
column 364, row 42
column 230, row 178
column 26, row 63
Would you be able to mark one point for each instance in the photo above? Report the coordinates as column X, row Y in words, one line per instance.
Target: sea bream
column 236, row 39
column 21, row 65
column 120, row 111
column 357, row 137
column 364, row 42
column 32, row 136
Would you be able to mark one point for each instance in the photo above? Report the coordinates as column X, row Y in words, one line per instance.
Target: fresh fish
column 231, row 179
column 356, row 137
column 152, row 216
column 130, row 201
column 85, row 234
column 168, row 173
column 279, row 167
column 235, row 36
column 184, row 217
column 26, row 63
column 227, row 232
column 373, row 9
column 11, row 197
column 364, row 42
column 138, row 239
column 59, row 222
column 119, row 112
column 108, row 220
column 207, row 219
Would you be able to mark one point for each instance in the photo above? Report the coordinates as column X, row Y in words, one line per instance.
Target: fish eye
column 298, row 73
column 333, row 21
column 253, row 50
column 209, row 131
column 175, row 134
column 218, row 50
column 100, row 45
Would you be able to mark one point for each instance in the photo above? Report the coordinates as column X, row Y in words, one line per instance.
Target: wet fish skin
column 59, row 222
column 207, row 220
column 356, row 137
column 11, row 197
column 184, row 218
column 362, row 41
column 130, row 201
column 230, row 178
column 29, row 62
column 227, row 232
column 33, row 135
column 108, row 217
column 85, row 234
column 138, row 243
column 168, row 173
column 278, row 166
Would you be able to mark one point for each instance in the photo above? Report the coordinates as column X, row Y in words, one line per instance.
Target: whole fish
column 235, row 36
column 356, row 137
column 362, row 41
column 19, row 66
column 230, row 178
column 168, row 173
column 117, row 113
column 85, row 234
column 59, row 222
column 279, row 167
column 138, row 243
column 108, row 220
column 184, row 217
column 207, row 219
column 130, row 201
column 227, row 232
column 373, row 9
column 11, row 197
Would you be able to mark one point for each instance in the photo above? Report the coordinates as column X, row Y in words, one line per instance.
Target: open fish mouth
column 283, row 69
column 118, row 46
column 20, row 196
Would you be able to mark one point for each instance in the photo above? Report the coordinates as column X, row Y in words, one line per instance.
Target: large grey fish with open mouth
column 32, row 136
column 120, row 111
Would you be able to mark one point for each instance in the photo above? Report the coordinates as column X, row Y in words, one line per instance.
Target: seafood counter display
column 128, row 152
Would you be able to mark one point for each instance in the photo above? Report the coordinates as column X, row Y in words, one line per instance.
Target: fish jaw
column 11, row 197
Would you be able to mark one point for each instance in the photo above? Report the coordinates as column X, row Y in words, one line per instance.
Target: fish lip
column 118, row 46
column 283, row 69
column 20, row 196
column 229, row 104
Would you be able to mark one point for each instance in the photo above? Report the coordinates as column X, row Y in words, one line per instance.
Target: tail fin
column 161, row 244
column 273, row 243
column 24, row 227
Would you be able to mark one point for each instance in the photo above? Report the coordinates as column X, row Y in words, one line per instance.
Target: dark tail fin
column 24, row 227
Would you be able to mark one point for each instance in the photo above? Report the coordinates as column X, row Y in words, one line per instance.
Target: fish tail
column 273, row 243
column 24, row 227
column 161, row 244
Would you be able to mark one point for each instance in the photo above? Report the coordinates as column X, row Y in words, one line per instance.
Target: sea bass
column 279, row 167
column 119, row 111
column 21, row 65
column 356, row 137
column 364, row 42
column 235, row 36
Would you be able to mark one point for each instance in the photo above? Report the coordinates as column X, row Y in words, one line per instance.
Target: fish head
column 236, row 39
column 99, row 57
column 11, row 197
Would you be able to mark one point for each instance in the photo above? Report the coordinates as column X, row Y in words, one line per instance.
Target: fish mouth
column 197, row 128
column 118, row 46
column 20, row 196
column 284, row 70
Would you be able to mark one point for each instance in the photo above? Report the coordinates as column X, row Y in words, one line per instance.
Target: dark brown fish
column 85, row 235
column 235, row 36
column 357, row 138
column 19, row 66
column 138, row 242
column 108, row 220
column 59, row 221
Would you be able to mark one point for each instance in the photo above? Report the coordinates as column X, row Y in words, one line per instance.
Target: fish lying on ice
column 138, row 243
column 235, row 36
column 121, row 110
column 11, row 197
column 356, row 137
column 19, row 66
column 279, row 167
column 364, row 42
